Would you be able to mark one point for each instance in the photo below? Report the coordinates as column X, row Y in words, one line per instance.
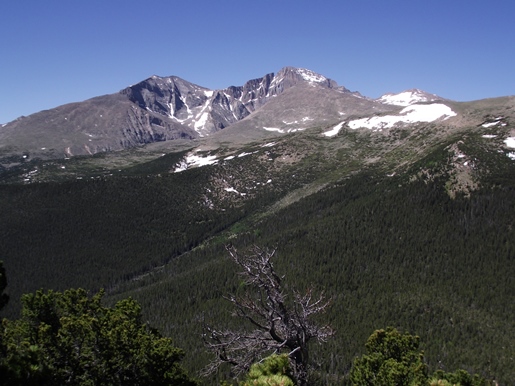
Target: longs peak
column 170, row 108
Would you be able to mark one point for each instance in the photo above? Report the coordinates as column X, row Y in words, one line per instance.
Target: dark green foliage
column 459, row 378
column 412, row 257
column 71, row 339
column 105, row 231
column 392, row 358
column 272, row 371
column 395, row 359
column 4, row 298
column 101, row 232
column 390, row 251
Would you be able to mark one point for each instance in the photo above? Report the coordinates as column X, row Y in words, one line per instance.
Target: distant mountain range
column 171, row 108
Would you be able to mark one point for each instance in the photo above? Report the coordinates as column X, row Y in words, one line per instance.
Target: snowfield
column 510, row 142
column 410, row 114
column 494, row 123
column 311, row 76
column 195, row 160
column 405, row 98
column 282, row 131
column 335, row 130
column 234, row 191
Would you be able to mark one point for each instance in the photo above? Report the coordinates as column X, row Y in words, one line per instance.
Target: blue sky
column 59, row 51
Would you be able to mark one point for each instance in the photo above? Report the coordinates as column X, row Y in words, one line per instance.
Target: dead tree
column 278, row 326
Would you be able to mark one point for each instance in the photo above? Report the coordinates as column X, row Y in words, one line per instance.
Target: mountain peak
column 294, row 75
column 303, row 73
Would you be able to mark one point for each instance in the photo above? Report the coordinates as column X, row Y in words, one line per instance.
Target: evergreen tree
column 4, row 298
column 458, row 378
column 71, row 339
column 392, row 359
column 273, row 371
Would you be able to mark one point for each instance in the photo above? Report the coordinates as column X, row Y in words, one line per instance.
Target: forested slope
column 414, row 250
column 389, row 251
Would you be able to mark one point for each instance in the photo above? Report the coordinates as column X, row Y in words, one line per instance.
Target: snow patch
column 195, row 160
column 495, row 122
column 335, row 130
column 273, row 129
column 201, row 121
column 410, row 114
column 234, row 191
column 405, row 98
column 489, row 136
column 282, row 131
column 311, row 76
column 202, row 161
column 305, row 119
column 510, row 142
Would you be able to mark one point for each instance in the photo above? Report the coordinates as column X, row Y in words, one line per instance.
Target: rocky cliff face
column 206, row 111
column 106, row 123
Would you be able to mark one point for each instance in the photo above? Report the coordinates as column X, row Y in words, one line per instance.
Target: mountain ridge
column 163, row 109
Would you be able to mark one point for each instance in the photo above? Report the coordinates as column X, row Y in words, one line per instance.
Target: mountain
column 156, row 109
column 170, row 108
column 401, row 213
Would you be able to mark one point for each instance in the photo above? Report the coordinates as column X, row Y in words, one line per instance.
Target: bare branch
column 278, row 326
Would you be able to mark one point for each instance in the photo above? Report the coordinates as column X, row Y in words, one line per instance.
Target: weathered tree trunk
column 278, row 326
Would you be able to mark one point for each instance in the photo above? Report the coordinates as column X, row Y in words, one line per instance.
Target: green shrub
column 273, row 371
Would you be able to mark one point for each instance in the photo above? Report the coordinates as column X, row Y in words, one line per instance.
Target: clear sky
column 59, row 51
